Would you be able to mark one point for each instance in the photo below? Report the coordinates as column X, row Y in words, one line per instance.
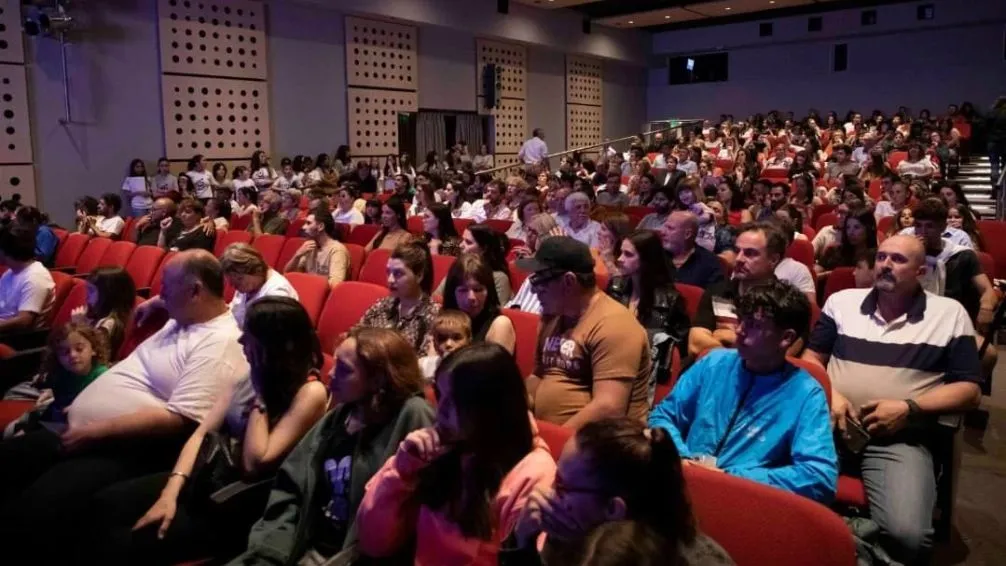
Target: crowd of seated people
column 217, row 437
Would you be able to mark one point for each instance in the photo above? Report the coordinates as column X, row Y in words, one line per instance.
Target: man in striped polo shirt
column 898, row 358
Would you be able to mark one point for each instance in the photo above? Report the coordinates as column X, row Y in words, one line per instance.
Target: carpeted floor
column 979, row 537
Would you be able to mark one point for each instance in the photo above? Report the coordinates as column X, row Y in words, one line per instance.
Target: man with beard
column 899, row 359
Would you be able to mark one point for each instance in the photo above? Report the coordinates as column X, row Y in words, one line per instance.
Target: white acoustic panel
column 15, row 126
column 583, row 125
column 511, row 59
column 18, row 179
column 381, row 54
column 219, row 38
column 584, row 80
column 11, row 42
column 373, row 119
column 218, row 118
column 509, row 124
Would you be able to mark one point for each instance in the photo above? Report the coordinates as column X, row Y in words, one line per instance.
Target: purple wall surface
column 899, row 61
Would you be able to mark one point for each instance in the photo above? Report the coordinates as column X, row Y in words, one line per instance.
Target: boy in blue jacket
column 750, row 413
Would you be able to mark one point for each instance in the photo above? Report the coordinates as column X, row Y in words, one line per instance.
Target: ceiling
column 664, row 15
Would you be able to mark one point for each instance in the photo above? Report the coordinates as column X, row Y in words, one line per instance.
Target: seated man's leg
column 24, row 458
column 901, row 488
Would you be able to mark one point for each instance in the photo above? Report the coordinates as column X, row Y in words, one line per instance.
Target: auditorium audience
column 593, row 360
column 322, row 254
column 106, row 223
column 266, row 415
column 439, row 232
column 580, row 226
column 409, row 309
column 469, row 288
column 663, row 199
column 859, row 233
column 482, row 240
column 452, row 329
column 611, row 470
column 394, row 226
column 760, row 248
column 46, row 240
column 690, row 264
column 108, row 307
column 132, row 420
column 345, row 212
column 26, row 287
column 148, row 228
column 925, row 346
column 456, row 490
column 311, row 514
column 750, row 413
column 268, row 219
column 186, row 231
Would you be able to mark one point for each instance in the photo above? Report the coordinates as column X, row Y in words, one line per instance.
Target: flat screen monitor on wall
column 707, row 68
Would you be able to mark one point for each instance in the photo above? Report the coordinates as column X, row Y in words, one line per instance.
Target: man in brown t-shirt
column 593, row 359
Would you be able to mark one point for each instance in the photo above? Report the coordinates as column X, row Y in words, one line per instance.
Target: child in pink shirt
column 432, row 491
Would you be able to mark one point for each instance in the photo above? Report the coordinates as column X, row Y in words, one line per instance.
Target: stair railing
column 1000, row 194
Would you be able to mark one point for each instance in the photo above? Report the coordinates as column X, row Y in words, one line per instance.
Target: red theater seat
column 143, row 264
column 839, row 279
column 362, row 234
column 441, row 266
column 230, row 237
column 290, row 247
column 692, row 295
column 344, row 307
column 91, row 257
column 357, row 255
column 375, row 268
column 270, row 246
column 312, row 291
column 525, row 327
column 117, row 254
column 155, row 283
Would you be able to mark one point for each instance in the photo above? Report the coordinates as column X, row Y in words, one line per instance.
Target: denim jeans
column 901, row 488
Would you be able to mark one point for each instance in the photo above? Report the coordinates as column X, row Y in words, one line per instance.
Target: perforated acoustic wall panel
column 506, row 159
column 373, row 119
column 11, row 43
column 583, row 126
column 584, row 80
column 214, row 78
column 584, row 96
column 382, row 60
column 381, row 54
column 17, row 174
column 15, row 129
column 509, row 57
column 225, row 38
column 509, row 125
column 219, row 118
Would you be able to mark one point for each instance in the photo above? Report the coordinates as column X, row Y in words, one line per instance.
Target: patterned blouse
column 415, row 327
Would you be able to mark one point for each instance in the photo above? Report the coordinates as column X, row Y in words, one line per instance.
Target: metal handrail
column 680, row 124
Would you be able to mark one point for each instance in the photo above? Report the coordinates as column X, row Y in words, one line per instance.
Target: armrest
column 239, row 489
column 69, row 270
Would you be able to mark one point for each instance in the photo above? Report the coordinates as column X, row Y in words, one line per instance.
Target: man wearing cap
column 593, row 358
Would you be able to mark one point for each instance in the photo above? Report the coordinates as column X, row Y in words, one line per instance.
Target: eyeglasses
column 542, row 278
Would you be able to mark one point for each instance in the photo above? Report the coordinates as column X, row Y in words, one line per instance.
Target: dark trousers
column 45, row 493
column 200, row 529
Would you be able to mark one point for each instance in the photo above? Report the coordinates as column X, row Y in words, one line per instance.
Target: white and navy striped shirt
column 931, row 344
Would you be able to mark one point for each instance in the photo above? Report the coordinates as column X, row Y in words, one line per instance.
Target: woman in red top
column 732, row 199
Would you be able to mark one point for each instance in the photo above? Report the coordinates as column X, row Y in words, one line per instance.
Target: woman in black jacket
column 644, row 285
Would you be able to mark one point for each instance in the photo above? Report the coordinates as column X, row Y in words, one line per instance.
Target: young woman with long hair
column 470, row 288
column 858, row 234
column 265, row 416
column 491, row 245
column 457, row 488
column 439, row 232
column 612, row 470
column 394, row 227
column 109, row 306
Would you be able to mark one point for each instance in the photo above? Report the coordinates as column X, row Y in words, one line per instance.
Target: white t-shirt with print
column 275, row 286
column 180, row 369
column 201, row 183
column 28, row 290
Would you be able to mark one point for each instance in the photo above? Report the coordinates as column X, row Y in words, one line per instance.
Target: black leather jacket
column 667, row 317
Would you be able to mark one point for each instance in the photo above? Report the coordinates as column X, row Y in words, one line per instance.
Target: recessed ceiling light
column 727, row 8
column 667, row 17
column 631, row 22
column 769, row 1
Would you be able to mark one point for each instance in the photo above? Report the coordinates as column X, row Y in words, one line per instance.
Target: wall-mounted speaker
column 503, row 6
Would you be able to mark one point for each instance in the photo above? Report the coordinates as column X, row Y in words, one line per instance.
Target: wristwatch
column 914, row 410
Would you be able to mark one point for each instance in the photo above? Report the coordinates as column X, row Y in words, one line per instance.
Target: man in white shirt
column 345, row 212
column 792, row 271
column 26, row 287
column 685, row 162
column 580, row 226
column 534, row 151
column 491, row 206
column 132, row 420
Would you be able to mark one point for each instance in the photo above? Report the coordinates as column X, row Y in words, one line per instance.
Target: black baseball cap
column 559, row 253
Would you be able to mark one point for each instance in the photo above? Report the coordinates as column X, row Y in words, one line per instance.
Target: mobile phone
column 856, row 437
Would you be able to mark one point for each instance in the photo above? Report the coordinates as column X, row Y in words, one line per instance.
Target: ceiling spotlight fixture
column 631, row 22
column 727, row 8
column 667, row 17
column 769, row 1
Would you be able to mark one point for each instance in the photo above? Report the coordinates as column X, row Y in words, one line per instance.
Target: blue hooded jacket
column 781, row 434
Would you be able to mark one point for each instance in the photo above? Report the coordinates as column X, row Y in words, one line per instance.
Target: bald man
column 148, row 227
column 134, row 418
column 690, row 264
column 902, row 362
